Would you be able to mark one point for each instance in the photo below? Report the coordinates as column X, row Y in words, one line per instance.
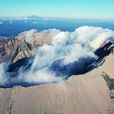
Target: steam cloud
column 70, row 53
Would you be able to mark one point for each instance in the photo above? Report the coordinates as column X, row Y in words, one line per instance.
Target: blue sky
column 84, row 9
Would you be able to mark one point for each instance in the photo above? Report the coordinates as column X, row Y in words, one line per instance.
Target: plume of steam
column 3, row 78
column 69, row 52
column 51, row 31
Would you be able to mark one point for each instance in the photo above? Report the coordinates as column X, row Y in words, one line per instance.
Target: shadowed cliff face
column 106, row 48
column 47, row 57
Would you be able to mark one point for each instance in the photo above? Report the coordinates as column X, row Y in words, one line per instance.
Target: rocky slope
column 20, row 47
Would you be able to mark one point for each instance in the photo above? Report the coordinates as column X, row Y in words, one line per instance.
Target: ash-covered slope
column 82, row 94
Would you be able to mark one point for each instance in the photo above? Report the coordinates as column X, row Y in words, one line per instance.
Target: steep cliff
column 20, row 47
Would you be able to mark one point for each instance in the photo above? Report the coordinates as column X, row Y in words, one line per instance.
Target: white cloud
column 1, row 22
column 3, row 78
column 51, row 31
column 68, row 51
column 30, row 33
column 94, row 36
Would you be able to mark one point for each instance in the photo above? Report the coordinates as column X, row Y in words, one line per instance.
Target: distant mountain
column 33, row 17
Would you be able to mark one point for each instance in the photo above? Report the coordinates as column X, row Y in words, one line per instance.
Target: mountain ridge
column 91, row 92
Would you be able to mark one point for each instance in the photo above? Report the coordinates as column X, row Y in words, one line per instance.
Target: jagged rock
column 106, row 48
column 21, row 46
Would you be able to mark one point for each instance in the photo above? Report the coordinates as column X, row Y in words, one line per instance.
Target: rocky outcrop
column 21, row 46
column 110, row 83
column 105, row 49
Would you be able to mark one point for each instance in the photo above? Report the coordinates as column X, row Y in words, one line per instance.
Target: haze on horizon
column 82, row 9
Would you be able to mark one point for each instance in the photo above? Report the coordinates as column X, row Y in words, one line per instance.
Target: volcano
column 57, row 72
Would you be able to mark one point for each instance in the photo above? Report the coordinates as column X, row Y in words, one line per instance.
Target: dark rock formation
column 110, row 83
column 105, row 49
